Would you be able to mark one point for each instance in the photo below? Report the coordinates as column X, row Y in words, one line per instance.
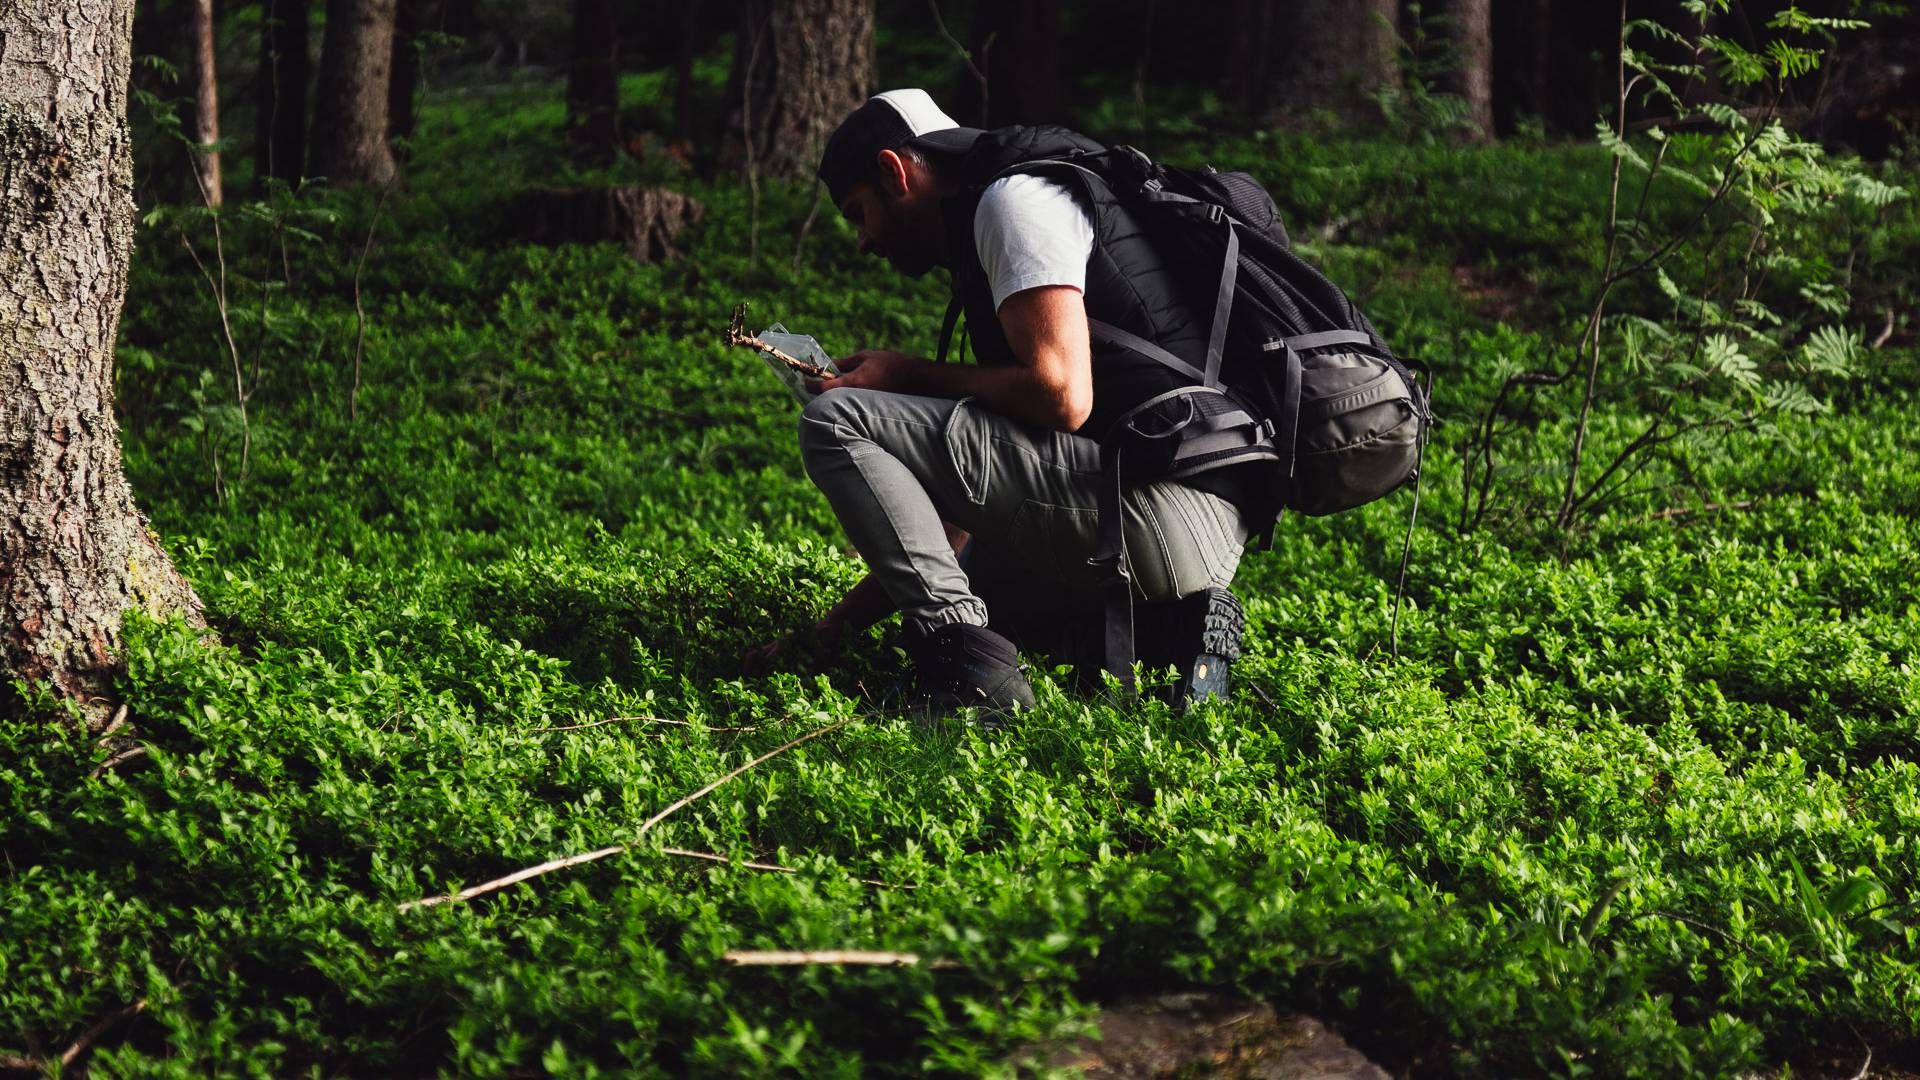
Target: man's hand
column 873, row 369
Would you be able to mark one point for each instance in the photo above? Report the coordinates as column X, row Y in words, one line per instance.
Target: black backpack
column 1294, row 377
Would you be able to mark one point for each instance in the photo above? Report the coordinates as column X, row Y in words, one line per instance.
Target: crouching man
column 972, row 490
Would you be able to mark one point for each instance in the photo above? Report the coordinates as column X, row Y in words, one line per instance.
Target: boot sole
column 1222, row 624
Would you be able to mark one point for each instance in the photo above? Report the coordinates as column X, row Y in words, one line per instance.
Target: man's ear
column 893, row 174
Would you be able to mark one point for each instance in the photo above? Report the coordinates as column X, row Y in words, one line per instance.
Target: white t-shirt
column 1029, row 232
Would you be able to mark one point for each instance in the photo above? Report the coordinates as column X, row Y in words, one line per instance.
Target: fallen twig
column 642, row 719
column 551, row 865
column 1709, row 508
column 737, row 335
column 125, row 755
column 708, row 856
column 81, row 1045
column 784, row 958
column 1886, row 332
column 100, row 1027
column 119, row 718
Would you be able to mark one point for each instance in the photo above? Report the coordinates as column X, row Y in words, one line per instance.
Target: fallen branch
column 99, row 1029
column 125, row 755
column 119, row 718
column 1886, row 333
column 1709, row 508
column 551, row 865
column 782, row 958
column 737, row 335
column 708, row 856
column 642, row 719
column 80, row 1045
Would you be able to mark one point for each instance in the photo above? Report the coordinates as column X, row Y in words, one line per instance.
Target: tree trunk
column 350, row 124
column 75, row 552
column 280, row 132
column 681, row 140
column 1247, row 48
column 1020, row 40
column 411, row 19
column 205, row 129
column 1470, row 33
column 593, row 79
column 1339, row 54
column 810, row 63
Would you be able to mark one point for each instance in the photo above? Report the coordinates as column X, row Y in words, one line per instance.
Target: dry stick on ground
column 551, row 865
column 360, row 313
column 119, row 718
column 737, row 335
column 80, row 1045
column 123, row 756
column 642, row 719
column 708, row 856
column 782, row 958
column 1709, row 508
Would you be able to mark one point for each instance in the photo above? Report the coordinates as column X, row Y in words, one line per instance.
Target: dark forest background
column 299, row 86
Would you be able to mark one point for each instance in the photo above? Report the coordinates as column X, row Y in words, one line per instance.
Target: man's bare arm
column 1051, row 387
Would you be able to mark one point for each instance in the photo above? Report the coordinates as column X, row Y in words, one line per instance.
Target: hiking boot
column 1198, row 636
column 959, row 666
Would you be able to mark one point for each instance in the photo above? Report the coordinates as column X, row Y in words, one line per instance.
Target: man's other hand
column 872, row 369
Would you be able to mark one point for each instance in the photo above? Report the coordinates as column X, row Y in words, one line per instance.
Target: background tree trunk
column 411, row 19
column 811, row 64
column 280, row 139
column 205, row 126
column 1470, row 36
column 593, row 79
column 75, row 552
column 1022, row 63
column 1339, row 54
column 350, row 123
column 688, row 47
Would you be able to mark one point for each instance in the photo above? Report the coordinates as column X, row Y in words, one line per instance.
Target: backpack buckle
column 1113, row 568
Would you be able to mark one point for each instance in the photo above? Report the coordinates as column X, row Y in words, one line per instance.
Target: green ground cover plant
column 1638, row 799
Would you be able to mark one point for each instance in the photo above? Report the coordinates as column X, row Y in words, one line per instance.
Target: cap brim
column 946, row 141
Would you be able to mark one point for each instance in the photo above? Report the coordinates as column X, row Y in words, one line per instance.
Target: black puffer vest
column 1129, row 285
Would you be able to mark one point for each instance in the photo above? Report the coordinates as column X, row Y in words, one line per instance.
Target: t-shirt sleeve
column 1031, row 231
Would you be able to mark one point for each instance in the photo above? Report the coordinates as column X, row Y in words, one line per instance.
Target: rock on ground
column 1205, row 1035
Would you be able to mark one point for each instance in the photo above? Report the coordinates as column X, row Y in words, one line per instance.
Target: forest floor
column 1638, row 797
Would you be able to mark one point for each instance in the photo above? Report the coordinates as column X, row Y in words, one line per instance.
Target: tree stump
column 644, row 221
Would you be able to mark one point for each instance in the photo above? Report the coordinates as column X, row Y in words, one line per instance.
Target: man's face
column 886, row 224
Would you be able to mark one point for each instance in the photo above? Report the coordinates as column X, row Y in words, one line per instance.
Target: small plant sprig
column 737, row 335
column 1738, row 315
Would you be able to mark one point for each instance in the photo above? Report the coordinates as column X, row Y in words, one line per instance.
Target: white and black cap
column 888, row 121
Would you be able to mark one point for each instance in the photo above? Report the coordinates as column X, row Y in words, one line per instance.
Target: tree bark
column 75, row 552
column 411, row 19
column 685, row 51
column 1470, row 35
column 1247, row 49
column 1021, row 43
column 1340, row 53
column 205, row 129
column 811, row 63
column 350, row 124
column 280, row 132
column 593, row 79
